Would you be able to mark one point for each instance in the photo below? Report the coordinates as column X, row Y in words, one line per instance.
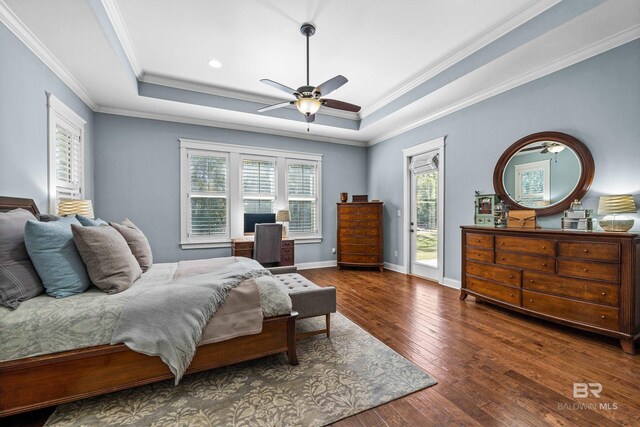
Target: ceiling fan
column 547, row 147
column 309, row 99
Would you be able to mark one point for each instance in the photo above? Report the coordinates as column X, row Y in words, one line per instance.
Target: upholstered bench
column 308, row 299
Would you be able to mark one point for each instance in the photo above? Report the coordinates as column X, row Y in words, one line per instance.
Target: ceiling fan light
column 556, row 148
column 308, row 106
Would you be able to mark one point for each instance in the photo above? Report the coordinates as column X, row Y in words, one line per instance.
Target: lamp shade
column 73, row 207
column 308, row 106
column 283, row 216
column 622, row 203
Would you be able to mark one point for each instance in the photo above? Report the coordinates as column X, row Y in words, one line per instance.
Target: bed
column 50, row 379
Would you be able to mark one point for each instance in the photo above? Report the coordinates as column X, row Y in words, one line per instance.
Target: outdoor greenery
column 427, row 215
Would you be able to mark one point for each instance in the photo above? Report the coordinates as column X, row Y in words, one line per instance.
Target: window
column 222, row 182
column 208, row 194
column 302, row 196
column 66, row 154
column 532, row 183
column 258, row 185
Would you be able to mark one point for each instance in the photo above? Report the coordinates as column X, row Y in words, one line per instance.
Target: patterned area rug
column 337, row 377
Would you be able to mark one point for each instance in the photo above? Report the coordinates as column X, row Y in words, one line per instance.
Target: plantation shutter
column 258, row 185
column 208, row 194
column 302, row 196
column 68, row 161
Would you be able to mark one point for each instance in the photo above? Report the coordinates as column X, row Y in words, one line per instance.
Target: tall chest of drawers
column 360, row 234
column 589, row 280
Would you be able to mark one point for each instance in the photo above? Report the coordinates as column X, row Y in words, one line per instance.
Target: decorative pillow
column 111, row 265
column 47, row 217
column 55, row 257
column 88, row 222
column 137, row 242
column 18, row 279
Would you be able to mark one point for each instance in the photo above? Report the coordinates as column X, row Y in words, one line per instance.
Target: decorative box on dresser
column 360, row 234
column 590, row 280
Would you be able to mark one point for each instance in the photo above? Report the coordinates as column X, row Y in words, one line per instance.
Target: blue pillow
column 88, row 222
column 55, row 257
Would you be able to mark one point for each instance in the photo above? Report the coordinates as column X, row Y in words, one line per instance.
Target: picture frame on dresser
column 589, row 281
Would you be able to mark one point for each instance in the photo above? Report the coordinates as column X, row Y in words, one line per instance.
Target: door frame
column 433, row 145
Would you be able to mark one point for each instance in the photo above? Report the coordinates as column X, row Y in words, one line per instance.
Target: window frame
column 58, row 112
column 245, row 156
column 235, row 199
column 545, row 167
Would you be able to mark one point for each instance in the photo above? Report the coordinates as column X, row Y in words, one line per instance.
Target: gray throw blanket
column 168, row 320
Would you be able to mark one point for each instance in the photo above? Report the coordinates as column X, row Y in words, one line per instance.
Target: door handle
column 411, row 230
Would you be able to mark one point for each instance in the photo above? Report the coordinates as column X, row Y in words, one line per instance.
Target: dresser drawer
column 530, row 262
column 359, row 249
column 359, row 217
column 288, row 243
column 365, row 240
column 485, row 255
column 589, row 270
column 596, row 292
column 358, row 259
column 359, row 224
column 587, row 250
column 493, row 290
column 481, row 240
column 243, row 245
column 504, row 275
column 359, row 209
column 583, row 312
column 526, row 245
column 358, row 231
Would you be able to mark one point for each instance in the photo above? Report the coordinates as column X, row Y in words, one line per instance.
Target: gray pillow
column 18, row 279
column 110, row 264
column 137, row 242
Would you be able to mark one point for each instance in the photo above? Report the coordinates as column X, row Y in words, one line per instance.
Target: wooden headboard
column 9, row 203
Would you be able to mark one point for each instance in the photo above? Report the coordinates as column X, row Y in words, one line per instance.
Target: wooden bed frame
column 40, row 381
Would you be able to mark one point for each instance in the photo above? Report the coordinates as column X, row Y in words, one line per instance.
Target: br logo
column 582, row 390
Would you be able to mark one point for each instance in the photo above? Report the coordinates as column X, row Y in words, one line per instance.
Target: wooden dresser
column 360, row 234
column 590, row 280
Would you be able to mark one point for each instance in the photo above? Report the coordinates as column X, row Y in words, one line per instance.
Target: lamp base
column 616, row 224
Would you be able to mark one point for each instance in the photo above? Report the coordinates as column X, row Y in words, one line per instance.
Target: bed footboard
column 47, row 380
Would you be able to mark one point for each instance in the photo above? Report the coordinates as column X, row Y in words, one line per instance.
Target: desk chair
column 266, row 243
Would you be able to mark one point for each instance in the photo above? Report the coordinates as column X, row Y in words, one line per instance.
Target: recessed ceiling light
column 214, row 63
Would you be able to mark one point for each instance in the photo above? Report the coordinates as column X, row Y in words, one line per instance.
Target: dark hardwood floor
column 493, row 367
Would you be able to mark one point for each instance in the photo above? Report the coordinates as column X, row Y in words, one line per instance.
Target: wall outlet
column 333, row 250
column 395, row 254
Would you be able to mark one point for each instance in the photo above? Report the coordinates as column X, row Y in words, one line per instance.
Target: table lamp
column 283, row 216
column 73, row 207
column 611, row 206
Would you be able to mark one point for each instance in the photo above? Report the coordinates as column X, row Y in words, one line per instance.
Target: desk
column 244, row 247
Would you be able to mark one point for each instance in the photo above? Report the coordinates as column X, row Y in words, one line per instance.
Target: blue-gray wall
column 597, row 101
column 137, row 175
column 24, row 81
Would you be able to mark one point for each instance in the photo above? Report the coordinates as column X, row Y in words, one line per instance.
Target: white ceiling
column 384, row 48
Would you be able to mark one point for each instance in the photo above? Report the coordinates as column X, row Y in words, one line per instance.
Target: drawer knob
column 586, row 251
column 531, row 300
column 502, row 258
column 544, row 247
column 510, row 295
column 604, row 293
column 531, row 280
column 477, row 240
column 585, row 269
column 544, row 264
column 603, row 317
column 502, row 243
column 511, row 276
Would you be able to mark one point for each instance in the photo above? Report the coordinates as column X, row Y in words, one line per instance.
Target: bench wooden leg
column 328, row 317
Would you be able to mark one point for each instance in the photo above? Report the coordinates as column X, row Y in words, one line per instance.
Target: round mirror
column 544, row 171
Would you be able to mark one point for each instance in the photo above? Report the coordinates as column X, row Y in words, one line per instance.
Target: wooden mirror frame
column 584, row 182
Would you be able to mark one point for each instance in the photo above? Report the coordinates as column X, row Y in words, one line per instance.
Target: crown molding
column 574, row 57
column 225, row 125
column 503, row 27
column 115, row 17
column 20, row 30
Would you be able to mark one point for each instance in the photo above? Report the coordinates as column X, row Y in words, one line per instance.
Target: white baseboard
column 451, row 283
column 395, row 267
column 319, row 264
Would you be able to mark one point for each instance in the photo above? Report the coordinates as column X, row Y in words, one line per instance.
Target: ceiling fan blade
column 330, row 85
column 339, row 105
column 311, row 118
column 279, row 86
column 539, row 147
column 274, row 106
column 545, row 151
